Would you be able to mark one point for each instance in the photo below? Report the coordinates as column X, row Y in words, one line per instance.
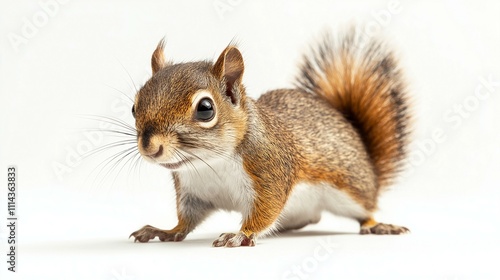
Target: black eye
column 205, row 110
column 133, row 110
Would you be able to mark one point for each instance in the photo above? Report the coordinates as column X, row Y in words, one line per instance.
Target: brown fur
column 341, row 161
column 270, row 158
column 158, row 59
column 262, row 147
column 363, row 83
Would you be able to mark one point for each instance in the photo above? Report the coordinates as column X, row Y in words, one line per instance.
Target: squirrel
column 332, row 143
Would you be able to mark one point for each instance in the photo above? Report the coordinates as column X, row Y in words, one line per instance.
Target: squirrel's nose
column 158, row 153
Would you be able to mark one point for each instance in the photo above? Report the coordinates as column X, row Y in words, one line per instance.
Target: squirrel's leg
column 147, row 232
column 261, row 219
column 370, row 226
column 191, row 211
column 246, row 237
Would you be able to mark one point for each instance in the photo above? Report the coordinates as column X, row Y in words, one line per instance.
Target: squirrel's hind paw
column 381, row 228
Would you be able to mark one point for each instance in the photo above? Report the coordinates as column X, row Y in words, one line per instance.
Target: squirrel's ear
column 158, row 59
column 229, row 68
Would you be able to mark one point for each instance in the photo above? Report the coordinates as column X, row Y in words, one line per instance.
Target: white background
column 64, row 59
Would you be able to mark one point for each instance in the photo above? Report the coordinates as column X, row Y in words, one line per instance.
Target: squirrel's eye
column 133, row 110
column 205, row 110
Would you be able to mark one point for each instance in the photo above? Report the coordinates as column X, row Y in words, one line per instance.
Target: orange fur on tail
column 361, row 80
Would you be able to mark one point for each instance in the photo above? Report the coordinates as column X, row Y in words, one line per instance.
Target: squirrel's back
column 353, row 95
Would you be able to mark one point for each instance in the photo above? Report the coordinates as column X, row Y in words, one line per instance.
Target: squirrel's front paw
column 234, row 240
column 148, row 232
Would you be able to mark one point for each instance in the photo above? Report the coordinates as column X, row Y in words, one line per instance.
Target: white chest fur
column 224, row 184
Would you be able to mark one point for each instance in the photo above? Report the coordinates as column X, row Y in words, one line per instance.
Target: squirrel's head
column 191, row 112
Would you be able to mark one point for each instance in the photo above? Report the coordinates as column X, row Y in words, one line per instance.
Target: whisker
column 139, row 163
column 137, row 160
column 184, row 158
column 110, row 131
column 108, row 161
column 128, row 74
column 209, row 148
column 122, row 93
column 109, row 146
column 110, row 120
column 114, row 165
column 209, row 166
column 127, row 161
column 220, row 153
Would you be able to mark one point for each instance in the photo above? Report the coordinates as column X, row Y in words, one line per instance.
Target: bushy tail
column 361, row 80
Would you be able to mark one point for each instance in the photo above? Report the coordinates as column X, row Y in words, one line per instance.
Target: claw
column 234, row 240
